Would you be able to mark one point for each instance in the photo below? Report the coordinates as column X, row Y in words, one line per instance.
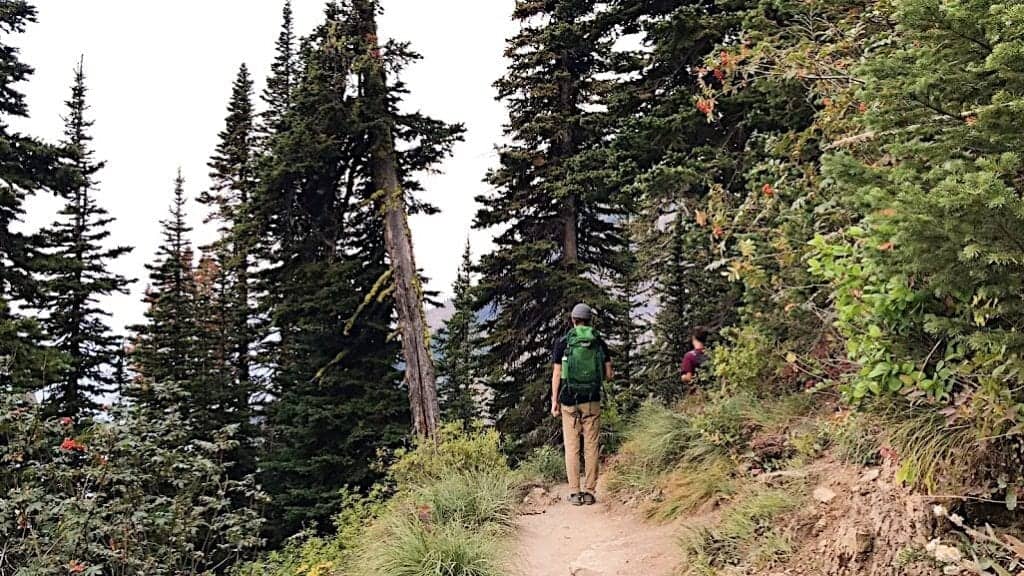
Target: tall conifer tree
column 458, row 347
column 26, row 167
column 77, row 274
column 165, row 347
column 336, row 377
column 283, row 74
column 228, row 274
column 561, row 236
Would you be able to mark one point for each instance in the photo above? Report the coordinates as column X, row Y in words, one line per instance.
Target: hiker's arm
column 687, row 377
column 609, row 373
column 556, row 380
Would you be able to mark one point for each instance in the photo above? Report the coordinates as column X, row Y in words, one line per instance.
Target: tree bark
column 570, row 214
column 412, row 325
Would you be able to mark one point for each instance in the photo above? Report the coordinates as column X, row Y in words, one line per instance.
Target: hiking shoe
column 588, row 498
column 576, row 499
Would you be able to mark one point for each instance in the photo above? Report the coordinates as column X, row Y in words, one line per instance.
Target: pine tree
column 165, row 346
column 688, row 297
column 458, row 346
column 217, row 398
column 281, row 82
column 420, row 377
column 26, row 167
column 335, row 368
column 689, row 153
column 561, row 238
column 77, row 275
column 227, row 274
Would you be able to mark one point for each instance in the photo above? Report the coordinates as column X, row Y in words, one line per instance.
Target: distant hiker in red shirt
column 694, row 359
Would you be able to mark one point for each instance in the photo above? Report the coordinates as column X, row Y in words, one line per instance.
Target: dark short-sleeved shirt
column 692, row 360
column 557, row 352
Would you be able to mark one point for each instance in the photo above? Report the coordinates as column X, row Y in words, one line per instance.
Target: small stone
column 823, row 495
column 952, row 570
column 947, row 554
column 871, row 475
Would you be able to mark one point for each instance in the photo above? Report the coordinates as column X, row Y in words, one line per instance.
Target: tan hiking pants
column 582, row 419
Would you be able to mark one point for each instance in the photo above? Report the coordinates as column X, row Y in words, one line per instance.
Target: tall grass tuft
column 402, row 547
column 745, row 533
column 688, row 488
column 933, row 453
column 473, row 501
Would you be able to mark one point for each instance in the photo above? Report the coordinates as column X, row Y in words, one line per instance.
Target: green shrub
column 457, row 451
column 480, row 500
column 546, row 464
column 749, row 362
column 402, row 546
column 70, row 498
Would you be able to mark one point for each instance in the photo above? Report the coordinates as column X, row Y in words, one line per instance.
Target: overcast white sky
column 160, row 73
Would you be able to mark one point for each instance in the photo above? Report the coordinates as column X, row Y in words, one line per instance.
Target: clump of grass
column 475, row 500
column 688, row 488
column 856, row 439
column 933, row 453
column 745, row 533
column 658, row 437
column 546, row 464
column 402, row 547
column 451, row 515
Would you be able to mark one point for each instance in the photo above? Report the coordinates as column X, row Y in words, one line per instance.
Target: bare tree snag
column 408, row 293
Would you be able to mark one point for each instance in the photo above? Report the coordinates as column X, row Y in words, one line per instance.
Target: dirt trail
column 598, row 540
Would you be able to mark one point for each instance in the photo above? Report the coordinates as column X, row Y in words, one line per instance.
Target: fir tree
column 281, row 82
column 561, row 241
column 26, row 167
column 338, row 390
column 227, row 275
column 165, row 345
column 458, row 346
column 77, row 274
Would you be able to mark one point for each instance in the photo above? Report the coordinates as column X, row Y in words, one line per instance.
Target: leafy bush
column 131, row 495
column 457, row 451
column 749, row 362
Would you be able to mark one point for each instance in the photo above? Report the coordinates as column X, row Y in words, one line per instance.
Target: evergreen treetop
column 76, row 273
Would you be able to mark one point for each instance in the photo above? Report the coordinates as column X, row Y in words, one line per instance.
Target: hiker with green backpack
column 581, row 364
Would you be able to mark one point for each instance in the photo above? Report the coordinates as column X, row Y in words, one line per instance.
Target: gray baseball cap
column 582, row 312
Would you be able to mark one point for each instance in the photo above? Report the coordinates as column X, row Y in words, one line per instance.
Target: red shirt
column 692, row 360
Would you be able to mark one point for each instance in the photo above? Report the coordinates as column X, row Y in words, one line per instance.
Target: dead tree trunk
column 412, row 325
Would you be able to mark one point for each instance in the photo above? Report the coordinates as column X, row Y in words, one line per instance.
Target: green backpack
column 583, row 363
